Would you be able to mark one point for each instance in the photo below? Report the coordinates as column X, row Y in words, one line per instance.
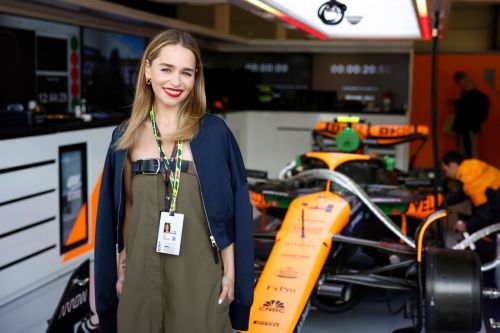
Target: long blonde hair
column 192, row 108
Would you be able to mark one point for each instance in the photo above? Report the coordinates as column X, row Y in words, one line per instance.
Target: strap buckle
column 158, row 166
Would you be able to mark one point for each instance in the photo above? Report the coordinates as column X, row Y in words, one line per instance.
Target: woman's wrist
column 227, row 256
column 229, row 272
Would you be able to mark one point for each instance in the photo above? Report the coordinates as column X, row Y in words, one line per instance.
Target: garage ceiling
column 351, row 19
column 229, row 23
column 291, row 19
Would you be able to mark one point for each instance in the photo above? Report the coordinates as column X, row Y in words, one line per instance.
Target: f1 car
column 310, row 260
column 406, row 196
column 330, row 219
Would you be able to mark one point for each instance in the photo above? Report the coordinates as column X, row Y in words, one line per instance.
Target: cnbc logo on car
column 273, row 306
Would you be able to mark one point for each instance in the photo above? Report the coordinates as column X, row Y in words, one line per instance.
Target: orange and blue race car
column 332, row 209
column 406, row 196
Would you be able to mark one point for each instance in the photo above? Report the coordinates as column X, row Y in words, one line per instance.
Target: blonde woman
column 173, row 163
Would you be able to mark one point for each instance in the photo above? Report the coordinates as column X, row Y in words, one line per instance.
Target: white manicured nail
column 220, row 301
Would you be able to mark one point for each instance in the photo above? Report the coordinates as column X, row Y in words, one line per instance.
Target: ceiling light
column 354, row 19
column 361, row 19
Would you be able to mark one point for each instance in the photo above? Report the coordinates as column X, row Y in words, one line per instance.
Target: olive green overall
column 166, row 293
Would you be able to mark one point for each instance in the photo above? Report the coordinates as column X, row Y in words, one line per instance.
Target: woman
column 173, row 163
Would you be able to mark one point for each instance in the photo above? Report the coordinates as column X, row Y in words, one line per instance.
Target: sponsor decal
column 73, row 303
column 295, row 256
column 308, row 245
column 280, row 288
column 356, row 207
column 328, row 208
column 273, row 306
column 266, row 323
column 424, row 206
column 395, row 131
column 312, row 221
column 354, row 222
column 314, row 231
column 336, row 127
column 287, row 272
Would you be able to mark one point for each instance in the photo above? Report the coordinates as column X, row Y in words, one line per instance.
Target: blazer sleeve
column 239, row 310
column 105, row 249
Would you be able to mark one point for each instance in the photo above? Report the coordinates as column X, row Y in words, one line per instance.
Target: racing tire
column 453, row 291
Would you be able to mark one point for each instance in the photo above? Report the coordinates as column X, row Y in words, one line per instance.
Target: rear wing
column 350, row 134
column 373, row 135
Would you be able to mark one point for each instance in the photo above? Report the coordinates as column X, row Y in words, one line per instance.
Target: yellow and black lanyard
column 171, row 182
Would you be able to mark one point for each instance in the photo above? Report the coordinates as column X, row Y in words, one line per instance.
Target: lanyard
column 177, row 154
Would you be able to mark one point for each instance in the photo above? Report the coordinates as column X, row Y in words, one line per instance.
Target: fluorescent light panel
column 380, row 19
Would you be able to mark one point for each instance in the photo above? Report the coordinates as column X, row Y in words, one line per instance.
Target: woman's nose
column 175, row 79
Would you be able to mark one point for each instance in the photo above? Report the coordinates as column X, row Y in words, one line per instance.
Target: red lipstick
column 172, row 92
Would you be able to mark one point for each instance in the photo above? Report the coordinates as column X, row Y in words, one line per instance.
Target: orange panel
column 296, row 262
column 94, row 199
column 333, row 160
column 476, row 65
column 422, row 208
column 79, row 230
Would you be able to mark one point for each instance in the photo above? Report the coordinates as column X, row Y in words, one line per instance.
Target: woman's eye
column 188, row 74
column 168, row 70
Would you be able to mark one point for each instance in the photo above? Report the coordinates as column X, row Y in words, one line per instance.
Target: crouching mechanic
column 481, row 184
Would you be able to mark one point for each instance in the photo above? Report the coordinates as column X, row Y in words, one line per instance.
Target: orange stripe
column 422, row 232
column 79, row 230
column 94, row 199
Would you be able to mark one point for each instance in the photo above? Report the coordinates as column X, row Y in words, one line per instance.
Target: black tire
column 453, row 291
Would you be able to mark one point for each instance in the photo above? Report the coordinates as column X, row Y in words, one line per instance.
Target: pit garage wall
column 30, row 243
column 485, row 71
column 269, row 140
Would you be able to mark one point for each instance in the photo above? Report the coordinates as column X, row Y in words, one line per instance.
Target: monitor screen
column 39, row 61
column 256, row 80
column 52, row 54
column 364, row 82
column 17, row 67
column 109, row 62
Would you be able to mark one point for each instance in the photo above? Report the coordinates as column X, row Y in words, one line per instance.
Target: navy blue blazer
column 225, row 193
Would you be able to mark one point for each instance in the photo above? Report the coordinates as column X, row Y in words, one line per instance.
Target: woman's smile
column 172, row 92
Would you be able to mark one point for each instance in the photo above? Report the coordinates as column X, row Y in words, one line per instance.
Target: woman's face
column 172, row 75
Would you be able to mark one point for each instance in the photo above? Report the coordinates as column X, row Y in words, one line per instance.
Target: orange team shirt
column 477, row 177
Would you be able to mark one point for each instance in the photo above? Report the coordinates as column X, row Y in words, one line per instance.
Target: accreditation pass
column 170, row 233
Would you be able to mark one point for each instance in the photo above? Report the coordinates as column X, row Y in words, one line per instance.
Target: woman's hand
column 227, row 289
column 122, row 260
column 119, row 286
column 227, row 256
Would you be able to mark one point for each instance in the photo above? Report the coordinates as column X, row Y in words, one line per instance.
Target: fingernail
column 220, row 301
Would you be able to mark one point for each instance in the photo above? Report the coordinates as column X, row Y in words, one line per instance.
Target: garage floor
column 370, row 315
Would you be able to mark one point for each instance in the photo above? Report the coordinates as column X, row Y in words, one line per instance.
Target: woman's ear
column 147, row 69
